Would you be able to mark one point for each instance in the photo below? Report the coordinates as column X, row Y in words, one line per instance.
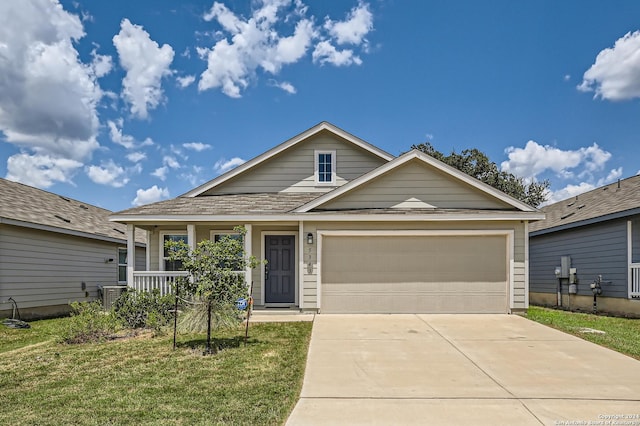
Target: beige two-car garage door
column 414, row 274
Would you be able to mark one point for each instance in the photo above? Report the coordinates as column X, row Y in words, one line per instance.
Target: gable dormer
column 318, row 160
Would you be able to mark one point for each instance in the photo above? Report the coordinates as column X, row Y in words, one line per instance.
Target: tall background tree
column 475, row 163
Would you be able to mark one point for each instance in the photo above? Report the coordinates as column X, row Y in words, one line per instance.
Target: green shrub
column 144, row 309
column 89, row 323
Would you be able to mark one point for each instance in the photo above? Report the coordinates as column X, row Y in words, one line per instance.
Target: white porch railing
column 150, row 280
column 635, row 280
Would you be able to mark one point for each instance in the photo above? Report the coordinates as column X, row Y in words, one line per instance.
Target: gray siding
column 599, row 249
column 41, row 268
column 293, row 170
column 415, row 180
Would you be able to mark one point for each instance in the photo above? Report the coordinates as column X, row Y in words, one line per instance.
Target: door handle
column 266, row 272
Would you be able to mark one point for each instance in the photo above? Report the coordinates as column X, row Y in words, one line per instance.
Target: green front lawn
column 620, row 334
column 141, row 380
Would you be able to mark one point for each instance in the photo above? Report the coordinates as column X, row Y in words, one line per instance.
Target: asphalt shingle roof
column 232, row 204
column 32, row 205
column 602, row 201
column 264, row 204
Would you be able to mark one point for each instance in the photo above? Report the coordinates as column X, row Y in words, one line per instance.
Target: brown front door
column 280, row 270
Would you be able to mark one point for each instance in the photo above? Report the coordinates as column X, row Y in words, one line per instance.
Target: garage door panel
column 399, row 259
column 400, row 274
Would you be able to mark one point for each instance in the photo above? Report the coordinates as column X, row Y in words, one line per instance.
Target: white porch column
column 131, row 253
column 191, row 236
column 302, row 240
column 147, row 251
column 629, row 258
column 526, row 264
column 248, row 247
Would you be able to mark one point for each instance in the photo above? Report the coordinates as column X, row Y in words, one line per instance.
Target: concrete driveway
column 461, row 369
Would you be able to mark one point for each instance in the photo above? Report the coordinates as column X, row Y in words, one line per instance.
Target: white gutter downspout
column 131, row 253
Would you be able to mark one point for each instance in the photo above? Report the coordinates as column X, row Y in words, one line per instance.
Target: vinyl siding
column 293, row 170
column 309, row 297
column 310, row 293
column 599, row 249
column 415, row 180
column 41, row 268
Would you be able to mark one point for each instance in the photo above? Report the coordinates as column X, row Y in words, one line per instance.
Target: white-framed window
column 325, row 167
column 165, row 263
column 122, row 265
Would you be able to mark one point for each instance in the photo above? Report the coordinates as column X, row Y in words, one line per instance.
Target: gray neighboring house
column 55, row 250
column 599, row 232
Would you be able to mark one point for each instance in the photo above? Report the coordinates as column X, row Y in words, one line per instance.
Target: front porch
column 275, row 285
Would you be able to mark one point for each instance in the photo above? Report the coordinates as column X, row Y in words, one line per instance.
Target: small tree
column 216, row 274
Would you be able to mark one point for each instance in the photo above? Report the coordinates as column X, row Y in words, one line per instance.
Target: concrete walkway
column 461, row 369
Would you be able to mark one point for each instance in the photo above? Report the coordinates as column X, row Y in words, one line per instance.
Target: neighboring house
column 55, row 250
column 598, row 233
column 346, row 227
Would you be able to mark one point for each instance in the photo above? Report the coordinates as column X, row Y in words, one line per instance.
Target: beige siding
column 415, row 180
column 293, row 170
column 310, row 276
column 141, row 259
column 40, row 268
column 310, row 257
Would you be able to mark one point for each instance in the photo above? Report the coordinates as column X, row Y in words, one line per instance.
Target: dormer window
column 325, row 167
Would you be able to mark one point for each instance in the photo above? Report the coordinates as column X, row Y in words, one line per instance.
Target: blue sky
column 122, row 103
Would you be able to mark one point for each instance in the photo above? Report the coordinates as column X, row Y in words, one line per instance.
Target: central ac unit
column 110, row 293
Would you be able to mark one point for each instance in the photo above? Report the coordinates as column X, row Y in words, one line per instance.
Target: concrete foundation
column 43, row 312
column 605, row 305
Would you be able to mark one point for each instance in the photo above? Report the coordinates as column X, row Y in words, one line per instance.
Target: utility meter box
column 565, row 265
column 573, row 276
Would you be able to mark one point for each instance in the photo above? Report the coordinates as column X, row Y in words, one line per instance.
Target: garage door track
column 461, row 369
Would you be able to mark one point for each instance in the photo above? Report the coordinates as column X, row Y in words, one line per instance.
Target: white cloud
column 325, row 53
column 40, row 171
column 358, row 24
column 127, row 141
column 101, row 64
column 572, row 190
column 196, row 146
column 566, row 77
column 160, row 172
column 223, row 165
column 115, row 132
column 567, row 192
column 534, row 159
column 145, row 63
column 615, row 75
column 108, row 173
column 39, row 66
column 284, row 85
column 613, row 175
column 246, row 45
column 185, row 81
column 150, row 195
column 194, row 176
column 170, row 161
column 136, row 157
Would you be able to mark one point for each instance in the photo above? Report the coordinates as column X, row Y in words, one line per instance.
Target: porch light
column 309, row 238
